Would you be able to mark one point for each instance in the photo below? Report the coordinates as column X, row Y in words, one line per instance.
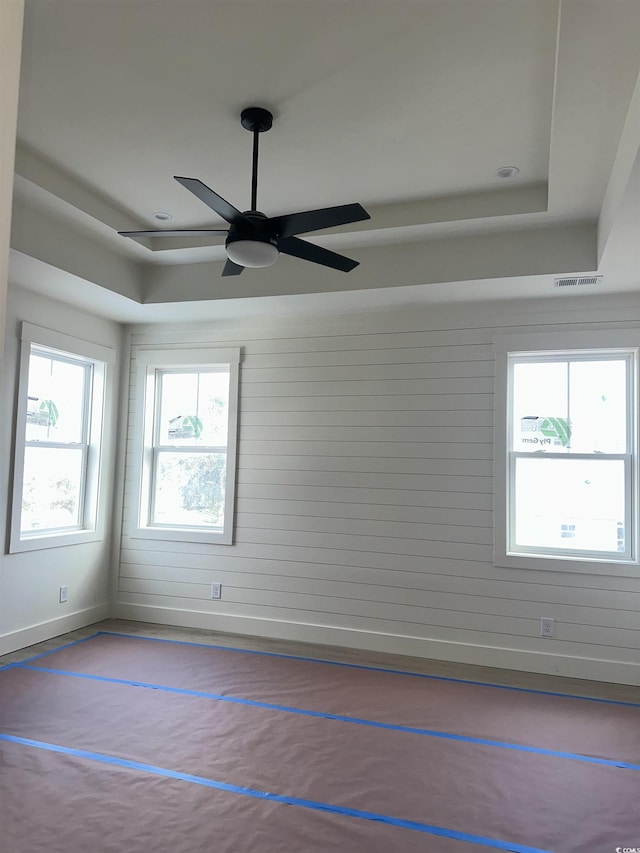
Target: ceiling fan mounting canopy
column 256, row 240
column 256, row 119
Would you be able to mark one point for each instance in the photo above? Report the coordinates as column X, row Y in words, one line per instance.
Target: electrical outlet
column 547, row 627
column 216, row 590
column 63, row 594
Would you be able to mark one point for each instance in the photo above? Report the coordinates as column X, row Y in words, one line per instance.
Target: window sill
column 55, row 540
column 534, row 562
column 181, row 534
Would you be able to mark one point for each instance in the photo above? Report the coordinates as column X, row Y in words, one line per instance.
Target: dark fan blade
column 231, row 269
column 180, row 232
column 315, row 254
column 214, row 201
column 316, row 220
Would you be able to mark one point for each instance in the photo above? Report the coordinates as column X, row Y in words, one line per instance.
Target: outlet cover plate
column 547, row 627
column 216, row 590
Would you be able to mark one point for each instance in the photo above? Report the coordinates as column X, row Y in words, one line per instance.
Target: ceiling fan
column 256, row 240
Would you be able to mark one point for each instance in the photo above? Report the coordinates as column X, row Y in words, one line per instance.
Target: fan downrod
column 256, row 119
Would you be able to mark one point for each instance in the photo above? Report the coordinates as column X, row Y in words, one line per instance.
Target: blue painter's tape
column 372, row 669
column 573, row 756
column 152, row 769
column 51, row 651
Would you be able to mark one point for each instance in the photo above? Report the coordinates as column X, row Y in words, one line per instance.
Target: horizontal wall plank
column 397, row 355
column 358, row 510
column 366, row 527
column 260, row 343
column 414, row 435
column 357, row 479
column 379, row 544
column 394, row 402
column 370, row 464
column 368, row 387
column 367, row 372
column 390, row 449
column 382, row 417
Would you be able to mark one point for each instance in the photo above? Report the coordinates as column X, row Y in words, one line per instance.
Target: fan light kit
column 252, row 253
column 256, row 240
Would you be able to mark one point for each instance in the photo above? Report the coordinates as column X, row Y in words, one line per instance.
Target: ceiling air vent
column 575, row 281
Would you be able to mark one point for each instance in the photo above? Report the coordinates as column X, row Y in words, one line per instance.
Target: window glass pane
column 540, row 407
column 56, row 399
column 189, row 489
column 598, row 406
column 194, row 408
column 569, row 504
column 51, row 488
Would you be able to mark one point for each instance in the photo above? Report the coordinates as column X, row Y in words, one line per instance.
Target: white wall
column 11, row 14
column 365, row 494
column 30, row 581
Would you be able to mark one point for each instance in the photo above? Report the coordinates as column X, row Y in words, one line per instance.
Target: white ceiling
column 406, row 107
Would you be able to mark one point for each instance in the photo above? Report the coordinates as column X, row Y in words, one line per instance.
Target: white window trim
column 560, row 342
column 147, row 362
column 100, row 357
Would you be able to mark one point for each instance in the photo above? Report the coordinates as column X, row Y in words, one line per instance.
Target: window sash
column 569, row 357
column 579, row 553
column 156, row 452
column 82, row 492
column 83, row 444
column 158, row 376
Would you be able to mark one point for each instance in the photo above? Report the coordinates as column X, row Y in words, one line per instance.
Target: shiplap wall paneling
column 364, row 501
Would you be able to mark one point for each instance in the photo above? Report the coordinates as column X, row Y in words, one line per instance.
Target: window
column 59, row 423
column 188, row 455
column 566, row 452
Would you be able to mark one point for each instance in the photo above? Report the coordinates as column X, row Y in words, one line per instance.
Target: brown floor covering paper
column 598, row 729
column 531, row 799
column 74, row 807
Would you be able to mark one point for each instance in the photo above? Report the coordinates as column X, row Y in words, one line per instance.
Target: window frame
column 96, row 360
column 572, row 345
column 148, row 363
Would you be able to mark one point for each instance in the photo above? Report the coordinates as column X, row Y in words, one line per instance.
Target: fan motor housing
column 259, row 233
column 252, row 245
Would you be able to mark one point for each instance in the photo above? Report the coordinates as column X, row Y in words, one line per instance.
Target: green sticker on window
column 556, row 428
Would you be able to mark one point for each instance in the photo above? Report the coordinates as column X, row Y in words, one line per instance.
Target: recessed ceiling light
column 507, row 171
column 162, row 216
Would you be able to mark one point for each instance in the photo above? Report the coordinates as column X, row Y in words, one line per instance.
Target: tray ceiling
column 406, row 107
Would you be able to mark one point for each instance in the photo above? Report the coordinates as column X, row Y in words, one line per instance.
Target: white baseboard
column 617, row 672
column 52, row 628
